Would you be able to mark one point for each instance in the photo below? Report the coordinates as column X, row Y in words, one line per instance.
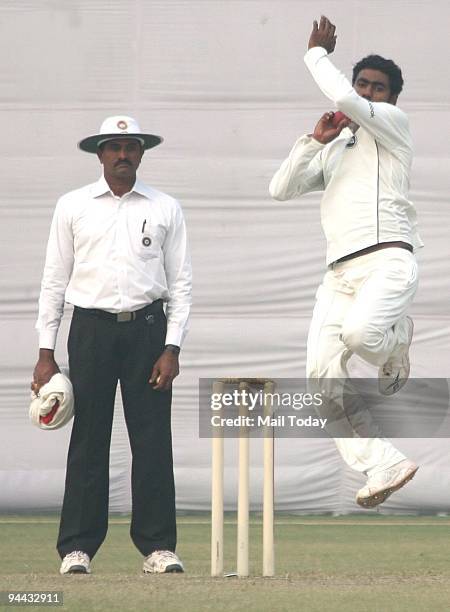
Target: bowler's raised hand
column 323, row 35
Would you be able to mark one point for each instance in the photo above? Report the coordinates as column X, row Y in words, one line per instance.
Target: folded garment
column 52, row 407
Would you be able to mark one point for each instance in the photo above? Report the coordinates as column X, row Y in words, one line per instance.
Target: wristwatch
column 172, row 348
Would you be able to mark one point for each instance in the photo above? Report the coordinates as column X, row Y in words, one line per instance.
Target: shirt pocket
column 151, row 242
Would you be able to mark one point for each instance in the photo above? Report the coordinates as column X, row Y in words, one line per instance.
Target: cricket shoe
column 394, row 373
column 76, row 562
column 162, row 562
column 381, row 485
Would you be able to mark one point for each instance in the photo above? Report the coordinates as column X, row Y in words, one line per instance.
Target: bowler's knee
column 320, row 371
column 361, row 338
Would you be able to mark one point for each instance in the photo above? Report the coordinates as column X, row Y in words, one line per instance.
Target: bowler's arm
column 302, row 171
column 387, row 123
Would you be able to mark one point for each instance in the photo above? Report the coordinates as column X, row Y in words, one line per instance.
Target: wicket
column 217, row 506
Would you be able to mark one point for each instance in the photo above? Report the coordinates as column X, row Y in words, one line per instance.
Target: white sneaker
column 381, row 485
column 394, row 373
column 162, row 562
column 76, row 562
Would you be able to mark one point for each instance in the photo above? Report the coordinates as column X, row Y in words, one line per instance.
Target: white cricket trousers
column 360, row 309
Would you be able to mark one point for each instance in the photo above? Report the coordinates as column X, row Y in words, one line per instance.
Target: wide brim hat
column 119, row 126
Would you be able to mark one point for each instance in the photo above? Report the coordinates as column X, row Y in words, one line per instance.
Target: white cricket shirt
column 116, row 254
column 365, row 177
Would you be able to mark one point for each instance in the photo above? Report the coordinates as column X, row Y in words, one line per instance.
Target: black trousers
column 102, row 352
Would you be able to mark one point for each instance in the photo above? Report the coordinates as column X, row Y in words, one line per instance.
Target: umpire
column 118, row 252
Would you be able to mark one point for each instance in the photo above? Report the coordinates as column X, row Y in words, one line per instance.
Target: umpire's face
column 121, row 158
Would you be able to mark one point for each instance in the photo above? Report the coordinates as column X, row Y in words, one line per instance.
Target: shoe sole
column 381, row 496
column 76, row 569
column 174, row 569
column 398, row 383
column 170, row 569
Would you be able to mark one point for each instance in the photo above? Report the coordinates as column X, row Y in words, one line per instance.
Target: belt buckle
column 123, row 317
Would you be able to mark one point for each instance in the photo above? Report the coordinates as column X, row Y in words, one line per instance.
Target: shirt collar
column 142, row 189
column 101, row 187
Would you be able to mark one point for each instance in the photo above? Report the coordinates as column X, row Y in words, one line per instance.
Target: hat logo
column 122, row 125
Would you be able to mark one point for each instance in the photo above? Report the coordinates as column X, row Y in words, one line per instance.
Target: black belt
column 376, row 247
column 121, row 317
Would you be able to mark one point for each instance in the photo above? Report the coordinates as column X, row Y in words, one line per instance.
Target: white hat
column 53, row 406
column 115, row 127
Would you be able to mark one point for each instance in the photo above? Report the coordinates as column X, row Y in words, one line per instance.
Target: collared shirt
column 365, row 177
column 116, row 254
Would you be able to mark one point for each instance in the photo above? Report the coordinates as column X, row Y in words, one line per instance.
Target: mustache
column 122, row 161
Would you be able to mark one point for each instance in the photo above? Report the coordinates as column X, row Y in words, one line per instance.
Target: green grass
column 362, row 563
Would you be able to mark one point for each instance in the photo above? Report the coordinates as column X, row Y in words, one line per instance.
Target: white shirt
column 366, row 183
column 116, row 254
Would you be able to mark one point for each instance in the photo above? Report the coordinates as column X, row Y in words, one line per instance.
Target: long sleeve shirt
column 365, row 177
column 116, row 254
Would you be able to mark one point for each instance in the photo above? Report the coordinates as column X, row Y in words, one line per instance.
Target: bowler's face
column 374, row 85
column 121, row 157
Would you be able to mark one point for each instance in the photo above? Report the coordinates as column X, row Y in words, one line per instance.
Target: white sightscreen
column 225, row 84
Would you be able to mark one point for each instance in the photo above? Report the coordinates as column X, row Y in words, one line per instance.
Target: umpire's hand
column 44, row 370
column 164, row 371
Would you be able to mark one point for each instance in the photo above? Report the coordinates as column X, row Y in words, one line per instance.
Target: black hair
column 387, row 66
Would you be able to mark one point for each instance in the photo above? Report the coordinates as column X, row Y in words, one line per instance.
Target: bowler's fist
column 337, row 118
column 328, row 127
